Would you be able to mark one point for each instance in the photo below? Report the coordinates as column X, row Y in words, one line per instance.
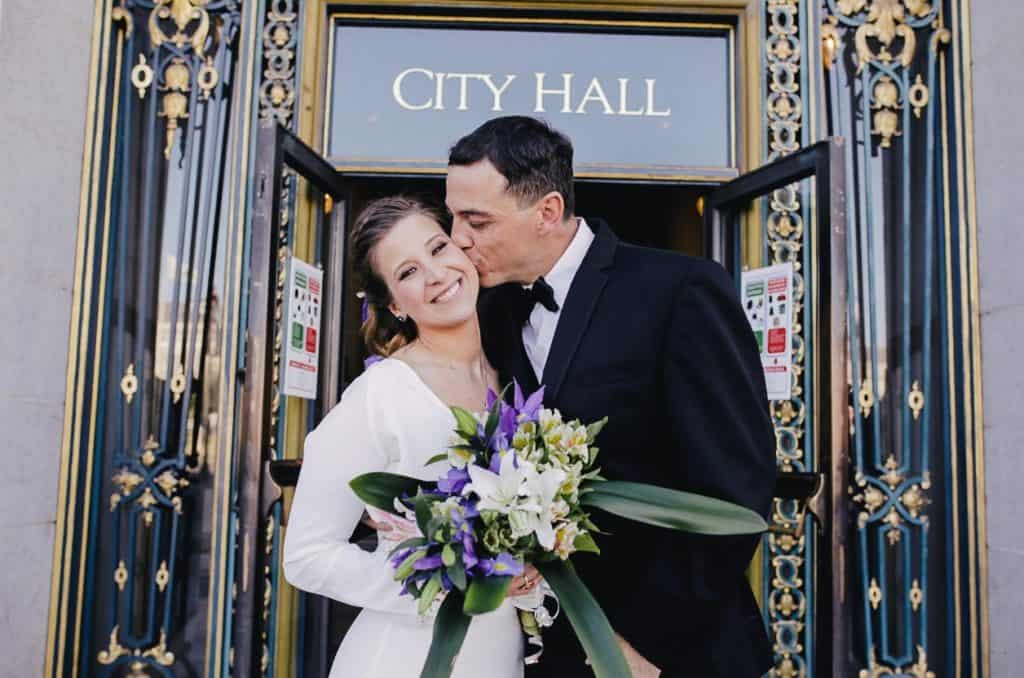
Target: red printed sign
column 777, row 340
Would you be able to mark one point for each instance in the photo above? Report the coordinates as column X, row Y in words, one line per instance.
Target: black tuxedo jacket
column 657, row 342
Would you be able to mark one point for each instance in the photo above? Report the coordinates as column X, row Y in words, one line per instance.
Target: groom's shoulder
column 662, row 266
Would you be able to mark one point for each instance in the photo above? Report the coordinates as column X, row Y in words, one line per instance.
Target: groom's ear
column 550, row 212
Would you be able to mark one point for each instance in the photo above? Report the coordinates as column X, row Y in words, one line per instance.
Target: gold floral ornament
column 175, row 102
column 885, row 105
column 183, row 13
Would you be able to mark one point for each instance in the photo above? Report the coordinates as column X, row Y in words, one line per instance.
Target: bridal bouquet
column 519, row 488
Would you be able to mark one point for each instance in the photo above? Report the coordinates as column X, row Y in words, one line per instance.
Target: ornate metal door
column 286, row 169
column 805, row 583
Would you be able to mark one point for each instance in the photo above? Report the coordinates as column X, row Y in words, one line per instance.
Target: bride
column 421, row 291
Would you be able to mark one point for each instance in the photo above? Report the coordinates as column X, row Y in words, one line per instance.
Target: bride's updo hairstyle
column 383, row 333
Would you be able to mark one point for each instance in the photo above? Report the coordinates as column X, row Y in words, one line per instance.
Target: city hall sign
column 634, row 104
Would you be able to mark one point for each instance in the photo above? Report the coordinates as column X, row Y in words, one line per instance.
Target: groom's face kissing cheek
column 430, row 279
column 490, row 224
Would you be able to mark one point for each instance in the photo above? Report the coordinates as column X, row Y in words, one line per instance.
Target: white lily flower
column 520, row 492
column 497, row 491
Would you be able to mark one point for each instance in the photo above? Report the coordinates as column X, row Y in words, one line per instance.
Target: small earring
column 401, row 317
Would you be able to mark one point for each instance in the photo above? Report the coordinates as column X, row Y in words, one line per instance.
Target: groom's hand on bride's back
column 638, row 664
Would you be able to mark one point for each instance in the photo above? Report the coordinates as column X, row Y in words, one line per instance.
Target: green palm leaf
column 380, row 489
column 587, row 619
column 485, row 594
column 676, row 510
column 450, row 628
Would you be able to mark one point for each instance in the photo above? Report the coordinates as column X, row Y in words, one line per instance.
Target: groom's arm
column 721, row 439
column 718, row 407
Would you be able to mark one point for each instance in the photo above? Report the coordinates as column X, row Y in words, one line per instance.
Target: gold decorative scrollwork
column 129, row 383
column 886, row 103
column 916, row 595
column 121, row 13
column 114, row 650
column 892, row 476
column 875, row 594
column 277, row 91
column 178, row 382
column 159, row 652
column 121, row 575
column 915, row 400
column 142, row 76
column 175, row 101
column 893, row 520
column 784, row 234
column 886, row 21
column 918, row 669
column 207, row 78
column 183, row 13
column 866, row 397
column 918, row 96
column 163, row 576
column 149, row 451
column 127, row 480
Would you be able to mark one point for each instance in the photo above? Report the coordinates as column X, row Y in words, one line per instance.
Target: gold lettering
column 496, row 91
column 624, row 99
column 396, row 89
column 595, row 93
column 650, row 101
column 565, row 91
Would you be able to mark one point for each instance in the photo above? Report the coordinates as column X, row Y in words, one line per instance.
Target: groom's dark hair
column 534, row 158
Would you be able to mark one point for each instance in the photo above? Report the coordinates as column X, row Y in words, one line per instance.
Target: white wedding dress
column 387, row 420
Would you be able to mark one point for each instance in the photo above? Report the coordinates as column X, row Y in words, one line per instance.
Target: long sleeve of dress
column 318, row 557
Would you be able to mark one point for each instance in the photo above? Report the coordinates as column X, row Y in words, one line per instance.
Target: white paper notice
column 302, row 336
column 767, row 296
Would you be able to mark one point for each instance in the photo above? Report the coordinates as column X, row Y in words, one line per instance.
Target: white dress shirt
column 539, row 330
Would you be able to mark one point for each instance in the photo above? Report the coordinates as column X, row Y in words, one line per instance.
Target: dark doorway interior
column 654, row 215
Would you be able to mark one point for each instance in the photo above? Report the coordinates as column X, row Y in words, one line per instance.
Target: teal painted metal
column 886, row 96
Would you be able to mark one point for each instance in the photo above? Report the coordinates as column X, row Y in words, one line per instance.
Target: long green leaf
column 587, row 619
column 485, row 594
column 673, row 509
column 380, row 489
column 450, row 628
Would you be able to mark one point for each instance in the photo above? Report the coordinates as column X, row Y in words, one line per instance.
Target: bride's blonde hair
column 382, row 332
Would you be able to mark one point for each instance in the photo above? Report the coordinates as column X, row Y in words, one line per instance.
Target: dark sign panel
column 634, row 104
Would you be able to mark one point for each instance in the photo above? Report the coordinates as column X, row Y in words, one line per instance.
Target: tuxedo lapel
column 520, row 368
column 585, row 290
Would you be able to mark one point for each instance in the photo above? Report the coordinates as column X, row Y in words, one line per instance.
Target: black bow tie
column 525, row 299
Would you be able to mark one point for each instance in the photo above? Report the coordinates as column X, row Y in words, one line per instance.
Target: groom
column 657, row 342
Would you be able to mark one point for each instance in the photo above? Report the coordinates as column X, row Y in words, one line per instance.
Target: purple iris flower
column 495, row 465
column 469, row 558
column 502, row 566
column 428, row 563
column 507, row 424
column 446, row 583
column 454, row 481
column 492, row 398
column 399, row 557
column 529, row 409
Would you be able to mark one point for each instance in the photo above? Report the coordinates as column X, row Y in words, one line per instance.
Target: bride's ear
column 397, row 312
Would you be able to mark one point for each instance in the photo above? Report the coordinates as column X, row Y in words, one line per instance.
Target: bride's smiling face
column 430, row 279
